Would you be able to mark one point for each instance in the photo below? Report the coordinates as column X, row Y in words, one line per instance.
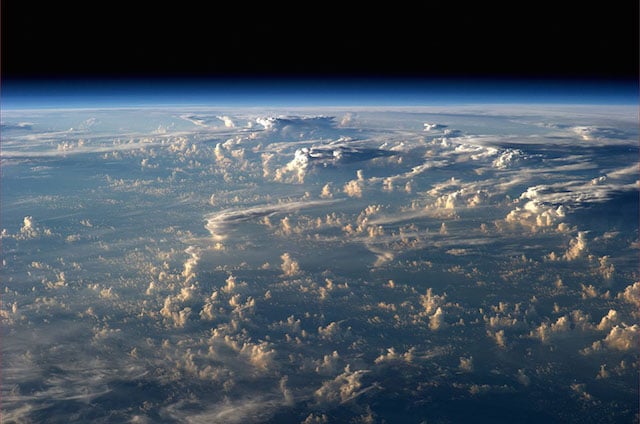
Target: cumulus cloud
column 353, row 188
column 580, row 390
column 326, row 192
column 316, row 418
column 431, row 302
column 332, row 331
column 330, row 155
column 577, row 247
column 345, row 387
column 508, row 158
column 536, row 215
column 623, row 337
column 289, row 266
column 228, row 122
column 523, row 378
column 498, row 337
column 392, row 356
column 609, row 320
column 433, row 126
column 30, row 230
column 208, row 312
column 259, row 355
column 174, row 313
column 267, row 122
column 191, row 263
column 466, row 364
column 631, row 294
column 329, row 364
column 346, row 119
column 548, row 329
column 436, row 321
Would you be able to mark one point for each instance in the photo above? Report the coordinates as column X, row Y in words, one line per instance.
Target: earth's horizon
column 407, row 259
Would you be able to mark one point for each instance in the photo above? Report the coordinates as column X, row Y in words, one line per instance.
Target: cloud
column 353, row 188
column 285, row 121
column 478, row 389
column 546, row 329
column 433, row 127
column 330, row 155
column 609, row 320
column 289, row 266
column 259, row 355
column 173, row 312
column 191, row 263
column 298, row 165
column 536, row 215
column 576, row 193
column 577, row 247
column 30, row 230
column 508, row 158
column 228, row 122
column 201, row 121
column 631, row 294
column 326, row 192
column 65, row 144
column 466, row 364
column 431, row 302
column 208, row 312
column 316, row 418
column 594, row 133
column 220, row 338
column 17, row 126
column 333, row 331
column 523, row 378
column 580, row 389
column 221, row 222
column 498, row 337
column 291, row 127
column 329, row 364
column 346, row 119
column 623, row 337
column 623, row 173
column 267, row 123
column 247, row 409
column 238, row 353
column 383, row 256
column 345, row 387
column 392, row 356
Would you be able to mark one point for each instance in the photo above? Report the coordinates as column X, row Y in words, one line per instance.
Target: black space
column 46, row 40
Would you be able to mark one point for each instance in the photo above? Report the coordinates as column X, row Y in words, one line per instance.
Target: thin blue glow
column 308, row 92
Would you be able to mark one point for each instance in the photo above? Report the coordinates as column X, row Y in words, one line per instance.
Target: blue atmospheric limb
column 310, row 92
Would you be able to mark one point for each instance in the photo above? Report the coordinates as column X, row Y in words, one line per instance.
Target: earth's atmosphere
column 440, row 264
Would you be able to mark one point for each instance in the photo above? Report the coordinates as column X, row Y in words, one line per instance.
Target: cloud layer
column 324, row 265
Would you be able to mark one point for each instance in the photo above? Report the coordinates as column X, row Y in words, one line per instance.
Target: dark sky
column 47, row 40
